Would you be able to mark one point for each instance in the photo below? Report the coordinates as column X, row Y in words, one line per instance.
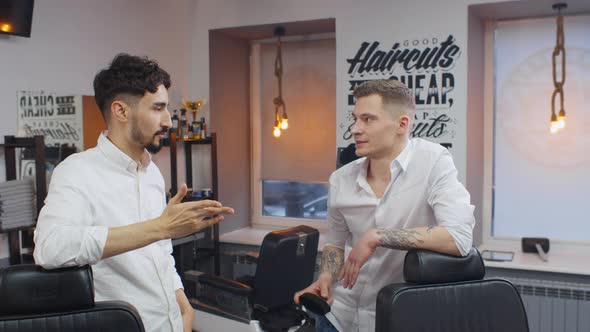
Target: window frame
column 566, row 247
column 257, row 219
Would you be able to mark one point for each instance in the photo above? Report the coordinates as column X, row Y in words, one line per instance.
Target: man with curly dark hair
column 106, row 206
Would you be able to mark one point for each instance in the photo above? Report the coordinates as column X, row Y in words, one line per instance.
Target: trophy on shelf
column 196, row 129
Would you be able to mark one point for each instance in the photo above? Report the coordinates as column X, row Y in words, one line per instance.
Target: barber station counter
column 558, row 262
column 567, row 269
column 253, row 237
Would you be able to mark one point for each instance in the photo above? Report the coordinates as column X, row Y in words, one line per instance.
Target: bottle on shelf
column 197, row 196
column 196, row 127
column 166, row 138
column 173, row 129
column 195, row 132
column 190, row 132
column 175, row 121
column 207, row 193
column 182, row 129
column 203, row 128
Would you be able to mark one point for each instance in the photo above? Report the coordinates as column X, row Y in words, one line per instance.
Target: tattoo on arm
column 332, row 261
column 402, row 239
column 430, row 228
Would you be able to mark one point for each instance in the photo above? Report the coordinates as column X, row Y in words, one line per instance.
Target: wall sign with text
column 426, row 66
column 57, row 117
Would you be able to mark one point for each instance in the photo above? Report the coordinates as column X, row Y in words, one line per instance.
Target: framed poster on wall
column 57, row 117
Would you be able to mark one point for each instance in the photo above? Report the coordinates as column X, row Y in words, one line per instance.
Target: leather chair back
column 447, row 294
column 35, row 299
column 286, row 264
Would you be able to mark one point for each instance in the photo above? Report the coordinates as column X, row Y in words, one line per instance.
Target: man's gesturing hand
column 182, row 219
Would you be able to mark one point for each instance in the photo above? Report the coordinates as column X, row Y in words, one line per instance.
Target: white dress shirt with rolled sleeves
column 423, row 191
column 101, row 188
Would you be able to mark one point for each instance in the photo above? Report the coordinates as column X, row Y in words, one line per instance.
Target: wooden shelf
column 11, row 143
column 207, row 140
column 211, row 234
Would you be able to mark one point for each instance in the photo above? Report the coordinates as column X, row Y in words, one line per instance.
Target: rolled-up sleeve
column 451, row 203
column 65, row 234
column 338, row 230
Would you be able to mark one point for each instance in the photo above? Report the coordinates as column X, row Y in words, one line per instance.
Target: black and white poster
column 57, row 117
column 427, row 66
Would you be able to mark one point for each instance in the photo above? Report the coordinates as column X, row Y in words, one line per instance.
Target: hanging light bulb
column 277, row 127
column 554, row 124
column 558, row 122
column 281, row 119
column 284, row 123
column 561, row 119
column 276, row 132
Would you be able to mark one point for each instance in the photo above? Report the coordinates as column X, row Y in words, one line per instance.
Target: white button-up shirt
column 101, row 188
column 423, row 191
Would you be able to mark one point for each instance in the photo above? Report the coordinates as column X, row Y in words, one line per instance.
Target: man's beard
column 151, row 147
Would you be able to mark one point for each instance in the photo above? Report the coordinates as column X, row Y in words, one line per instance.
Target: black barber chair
column 35, row 299
column 448, row 294
column 285, row 265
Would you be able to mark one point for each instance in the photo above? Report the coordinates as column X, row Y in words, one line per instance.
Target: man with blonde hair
column 401, row 194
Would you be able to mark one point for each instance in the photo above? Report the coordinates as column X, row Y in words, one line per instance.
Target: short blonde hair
column 392, row 92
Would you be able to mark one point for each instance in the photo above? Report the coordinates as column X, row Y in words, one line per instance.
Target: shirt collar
column 403, row 159
column 112, row 152
column 401, row 162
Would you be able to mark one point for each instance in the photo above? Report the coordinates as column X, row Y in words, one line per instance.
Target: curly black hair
column 128, row 75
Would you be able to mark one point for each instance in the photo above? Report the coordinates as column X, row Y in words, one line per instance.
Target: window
column 294, row 199
column 290, row 173
column 539, row 182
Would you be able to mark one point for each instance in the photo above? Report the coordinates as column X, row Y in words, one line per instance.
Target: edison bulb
column 276, row 132
column 561, row 123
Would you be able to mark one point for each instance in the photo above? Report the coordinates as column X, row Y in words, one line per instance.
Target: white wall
column 374, row 20
column 386, row 21
column 72, row 39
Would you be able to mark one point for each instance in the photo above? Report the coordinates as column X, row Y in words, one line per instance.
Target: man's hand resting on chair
column 332, row 261
column 321, row 287
column 432, row 238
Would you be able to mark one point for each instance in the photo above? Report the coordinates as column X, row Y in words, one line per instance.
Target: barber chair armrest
column 225, row 284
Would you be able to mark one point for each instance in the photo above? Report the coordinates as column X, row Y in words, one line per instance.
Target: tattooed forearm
column 403, row 239
column 332, row 261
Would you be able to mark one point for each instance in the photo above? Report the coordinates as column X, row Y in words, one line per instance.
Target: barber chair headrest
column 427, row 267
column 29, row 289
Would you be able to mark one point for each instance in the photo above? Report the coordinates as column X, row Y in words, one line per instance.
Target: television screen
column 16, row 17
